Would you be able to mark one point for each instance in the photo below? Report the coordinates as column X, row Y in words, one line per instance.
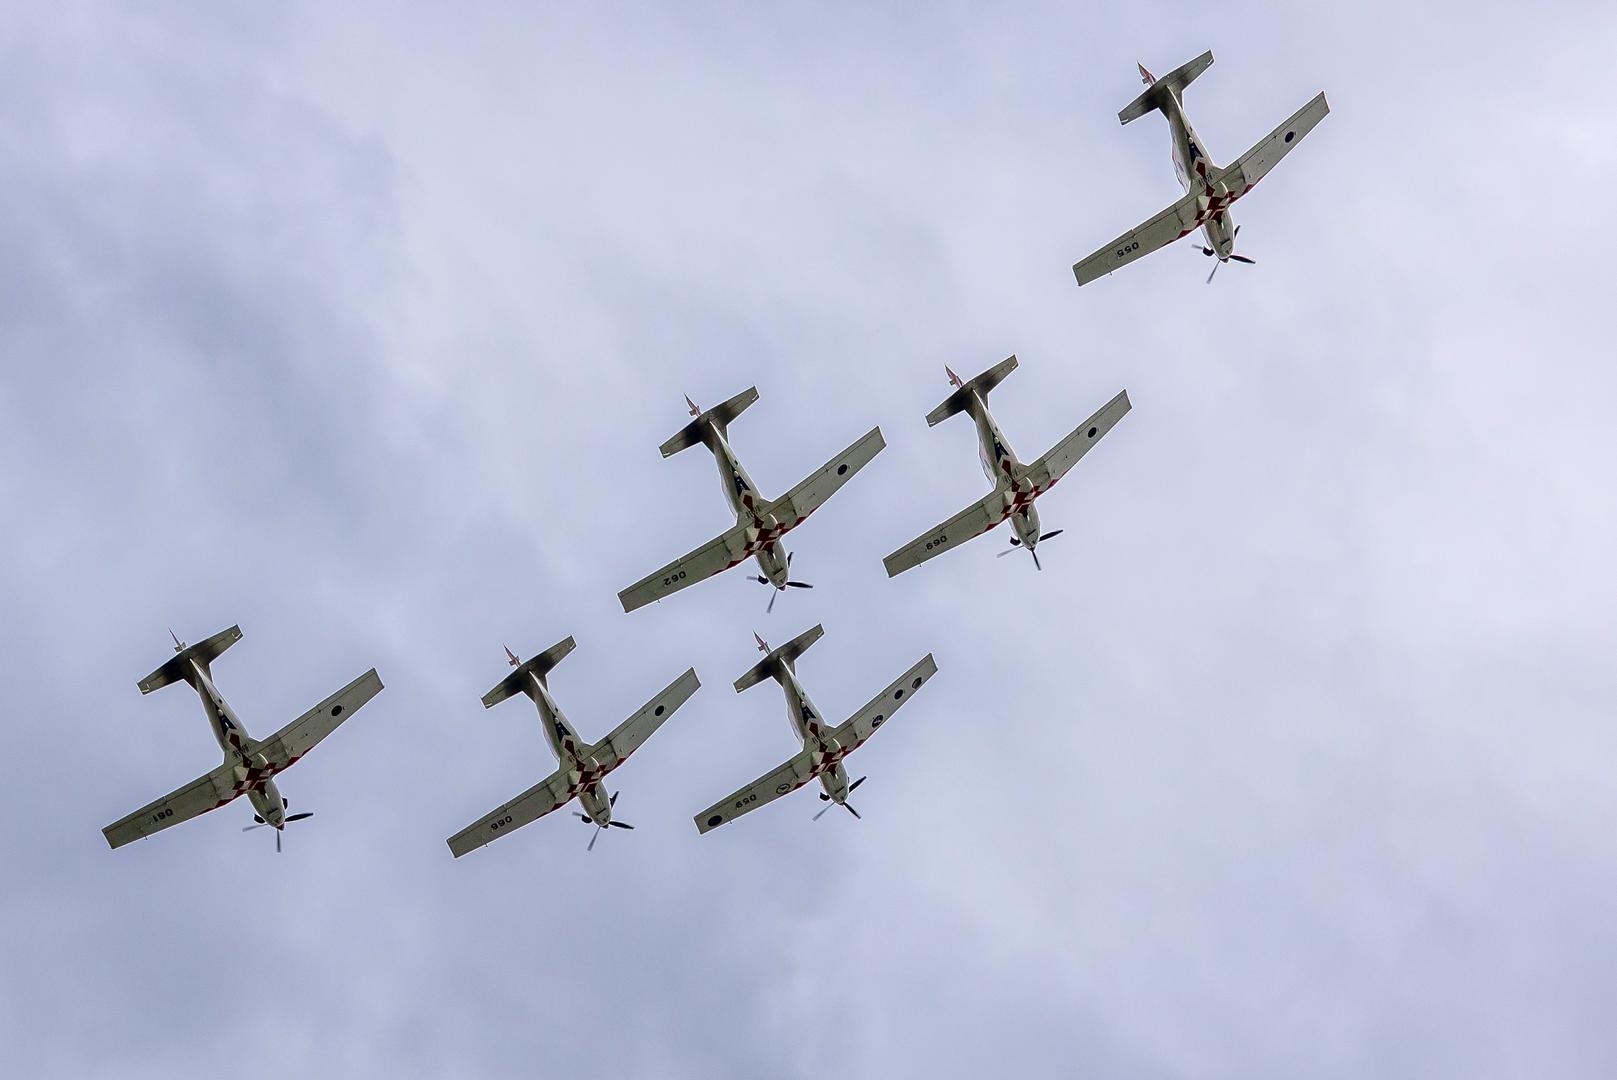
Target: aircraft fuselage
column 1195, row 168
column 237, row 746
column 811, row 730
column 571, row 751
column 1003, row 470
column 748, row 506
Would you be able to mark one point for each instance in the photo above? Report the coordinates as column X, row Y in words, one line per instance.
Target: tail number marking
column 671, row 578
column 501, row 823
column 1126, row 248
column 938, row 541
column 743, row 802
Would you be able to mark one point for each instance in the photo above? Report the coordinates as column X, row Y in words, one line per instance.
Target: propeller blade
column 849, row 808
column 789, row 555
column 1035, row 555
column 824, row 797
column 1004, row 553
column 823, row 809
column 1048, row 535
column 585, row 818
column 1244, row 259
column 620, row 825
column 770, row 609
column 856, row 783
column 800, row 585
column 594, row 837
column 250, row 828
column 277, row 841
column 1215, row 270
column 300, row 817
column 1236, row 233
column 760, row 579
column 613, row 801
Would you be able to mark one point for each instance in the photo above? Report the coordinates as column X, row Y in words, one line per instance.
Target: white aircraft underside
column 823, row 748
column 250, row 765
column 760, row 522
column 1210, row 191
column 1016, row 485
column 582, row 767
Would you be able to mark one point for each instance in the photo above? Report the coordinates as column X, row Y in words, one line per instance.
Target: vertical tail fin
column 779, row 658
column 178, row 668
column 960, row 400
column 1158, row 91
column 697, row 430
column 539, row 665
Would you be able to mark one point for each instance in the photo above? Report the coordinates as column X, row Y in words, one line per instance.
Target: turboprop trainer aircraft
column 823, row 747
column 250, row 764
column 582, row 766
column 1015, row 485
column 1209, row 189
column 760, row 522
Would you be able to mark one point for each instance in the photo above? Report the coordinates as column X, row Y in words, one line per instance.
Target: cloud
column 360, row 328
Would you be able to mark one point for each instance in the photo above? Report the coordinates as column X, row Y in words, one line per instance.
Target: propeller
column 260, row 823
column 845, row 805
column 1228, row 258
column 612, row 800
column 1016, row 543
column 760, row 579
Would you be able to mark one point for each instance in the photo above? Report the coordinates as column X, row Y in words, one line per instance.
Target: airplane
column 823, row 748
column 1016, row 485
column 582, row 766
column 1210, row 190
column 251, row 765
column 760, row 522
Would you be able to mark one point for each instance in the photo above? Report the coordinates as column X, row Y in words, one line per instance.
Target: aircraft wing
column 1066, row 453
column 853, row 732
column 974, row 520
column 766, row 789
column 797, row 504
column 553, row 791
column 1250, row 167
column 193, row 800
column 628, row 736
column 284, row 747
column 715, row 556
column 1162, row 230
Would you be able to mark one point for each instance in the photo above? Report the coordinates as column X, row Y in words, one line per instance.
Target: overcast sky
column 359, row 326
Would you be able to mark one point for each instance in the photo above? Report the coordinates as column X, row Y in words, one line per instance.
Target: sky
column 359, row 325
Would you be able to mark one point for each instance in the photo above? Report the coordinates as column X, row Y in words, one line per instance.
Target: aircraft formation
column 251, row 766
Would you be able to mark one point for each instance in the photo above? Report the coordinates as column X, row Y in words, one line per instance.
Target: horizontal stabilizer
column 538, row 666
column 961, row 399
column 779, row 658
column 178, row 669
column 697, row 431
column 1170, row 85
